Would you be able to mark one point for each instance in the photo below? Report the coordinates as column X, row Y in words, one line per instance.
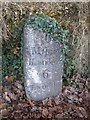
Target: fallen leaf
column 51, row 110
column 82, row 112
column 16, row 90
column 15, row 51
column 44, row 112
column 58, row 108
column 3, row 106
column 34, row 109
column 1, row 87
column 31, row 103
column 10, row 79
column 25, row 117
column 4, row 112
column 17, row 115
column 59, row 116
column 24, row 105
column 44, row 102
column 49, row 103
column 18, row 85
column 6, row 97
column 37, row 115
column 12, row 96
column 57, row 100
column 50, row 115
column 2, row 100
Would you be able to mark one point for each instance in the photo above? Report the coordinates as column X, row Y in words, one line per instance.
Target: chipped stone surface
column 43, row 65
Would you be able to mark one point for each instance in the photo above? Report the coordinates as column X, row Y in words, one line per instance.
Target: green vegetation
column 12, row 52
column 12, row 59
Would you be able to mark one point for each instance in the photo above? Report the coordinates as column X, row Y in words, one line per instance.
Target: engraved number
column 45, row 74
column 39, row 50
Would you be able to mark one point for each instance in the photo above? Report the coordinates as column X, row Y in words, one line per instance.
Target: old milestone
column 43, row 65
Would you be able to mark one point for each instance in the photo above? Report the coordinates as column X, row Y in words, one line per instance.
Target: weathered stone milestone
column 43, row 65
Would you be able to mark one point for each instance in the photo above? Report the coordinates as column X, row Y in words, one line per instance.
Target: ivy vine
column 52, row 28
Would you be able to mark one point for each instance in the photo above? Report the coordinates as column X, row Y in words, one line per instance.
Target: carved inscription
column 47, row 61
column 45, row 74
column 43, row 52
column 43, row 86
column 39, row 51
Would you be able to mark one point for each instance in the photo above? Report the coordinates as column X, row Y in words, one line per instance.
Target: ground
column 72, row 103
